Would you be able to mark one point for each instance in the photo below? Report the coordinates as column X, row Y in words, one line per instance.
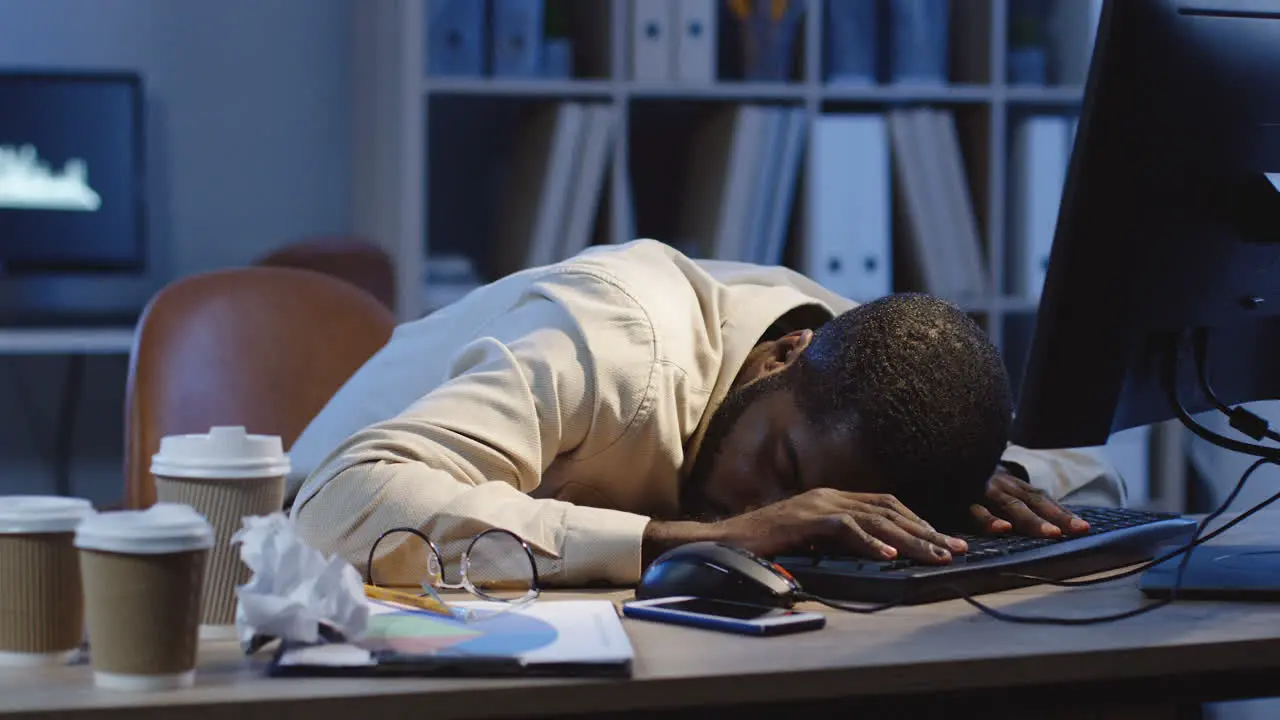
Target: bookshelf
column 396, row 101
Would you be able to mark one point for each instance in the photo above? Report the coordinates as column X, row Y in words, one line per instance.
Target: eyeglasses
column 497, row 566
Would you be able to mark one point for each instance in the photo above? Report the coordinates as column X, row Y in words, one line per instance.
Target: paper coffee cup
column 143, row 575
column 226, row 475
column 41, row 605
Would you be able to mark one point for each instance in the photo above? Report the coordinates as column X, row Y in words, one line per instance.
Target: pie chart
column 414, row 632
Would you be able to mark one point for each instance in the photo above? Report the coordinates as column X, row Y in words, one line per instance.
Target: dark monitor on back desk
column 73, row 206
column 1166, row 258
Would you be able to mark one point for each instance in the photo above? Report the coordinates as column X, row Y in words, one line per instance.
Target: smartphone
column 723, row 615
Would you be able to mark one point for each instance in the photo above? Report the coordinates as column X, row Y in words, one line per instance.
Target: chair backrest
column 262, row 347
column 358, row 261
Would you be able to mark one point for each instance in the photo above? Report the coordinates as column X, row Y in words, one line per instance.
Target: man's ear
column 787, row 349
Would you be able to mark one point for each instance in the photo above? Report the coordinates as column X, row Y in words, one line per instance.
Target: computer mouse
column 718, row 571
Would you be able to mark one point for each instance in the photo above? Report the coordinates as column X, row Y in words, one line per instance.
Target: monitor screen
column 71, row 181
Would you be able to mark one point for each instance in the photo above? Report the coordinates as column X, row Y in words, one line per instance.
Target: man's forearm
column 660, row 537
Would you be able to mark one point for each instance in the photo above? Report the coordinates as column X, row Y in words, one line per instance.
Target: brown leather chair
column 261, row 347
column 359, row 262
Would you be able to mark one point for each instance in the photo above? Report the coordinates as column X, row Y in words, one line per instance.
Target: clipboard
column 548, row 638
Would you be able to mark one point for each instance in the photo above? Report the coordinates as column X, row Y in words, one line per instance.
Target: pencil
column 421, row 602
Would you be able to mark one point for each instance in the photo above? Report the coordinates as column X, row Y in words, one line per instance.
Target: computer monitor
column 73, row 211
column 1168, row 237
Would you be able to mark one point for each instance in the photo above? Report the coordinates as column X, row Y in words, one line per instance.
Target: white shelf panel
column 66, row 341
column 517, row 87
column 1044, row 95
column 960, row 93
column 726, row 90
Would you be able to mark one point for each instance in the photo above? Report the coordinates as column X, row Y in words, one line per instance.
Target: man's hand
column 1014, row 504
column 869, row 525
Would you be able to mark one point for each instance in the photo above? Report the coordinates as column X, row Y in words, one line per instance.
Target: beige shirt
column 563, row 403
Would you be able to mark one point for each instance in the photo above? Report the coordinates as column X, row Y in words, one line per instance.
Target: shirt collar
column 756, row 311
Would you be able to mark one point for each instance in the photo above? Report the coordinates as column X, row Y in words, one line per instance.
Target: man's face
column 759, row 449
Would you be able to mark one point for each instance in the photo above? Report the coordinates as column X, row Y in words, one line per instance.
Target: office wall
column 249, row 136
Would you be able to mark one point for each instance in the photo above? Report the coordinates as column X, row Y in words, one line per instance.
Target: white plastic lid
column 224, row 453
column 160, row 529
column 41, row 513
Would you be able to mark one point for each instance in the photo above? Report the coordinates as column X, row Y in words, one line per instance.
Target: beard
column 694, row 503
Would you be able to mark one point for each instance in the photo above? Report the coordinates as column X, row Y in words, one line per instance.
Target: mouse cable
column 847, row 607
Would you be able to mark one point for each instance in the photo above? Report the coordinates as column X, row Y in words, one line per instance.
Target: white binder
column 766, row 183
column 790, row 156
column 593, row 161
column 652, row 42
column 1038, row 170
column 964, row 238
column 849, row 239
column 695, row 41
column 745, row 161
column 558, row 185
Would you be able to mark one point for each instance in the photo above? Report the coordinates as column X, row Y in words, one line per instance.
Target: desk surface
column 937, row 648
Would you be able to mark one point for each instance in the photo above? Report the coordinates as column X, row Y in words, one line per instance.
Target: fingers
column 875, row 536
column 1031, row 511
column 1025, row 520
column 891, row 508
column 988, row 522
column 860, row 541
column 900, row 536
column 890, row 502
column 1060, row 517
column 919, row 528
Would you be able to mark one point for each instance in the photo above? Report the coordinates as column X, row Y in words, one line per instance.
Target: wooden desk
column 936, row 660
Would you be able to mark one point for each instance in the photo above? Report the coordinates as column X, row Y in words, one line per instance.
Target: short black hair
column 923, row 392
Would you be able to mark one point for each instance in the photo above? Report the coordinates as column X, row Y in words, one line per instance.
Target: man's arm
column 1025, row 493
column 661, row 536
column 1071, row 476
column 565, row 370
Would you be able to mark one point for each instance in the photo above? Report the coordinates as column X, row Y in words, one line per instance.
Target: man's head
column 905, row 395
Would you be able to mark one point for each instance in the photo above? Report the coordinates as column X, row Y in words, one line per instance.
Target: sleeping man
column 631, row 399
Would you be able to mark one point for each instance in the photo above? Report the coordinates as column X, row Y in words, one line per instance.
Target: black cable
column 848, row 607
column 1240, row 418
column 1171, row 390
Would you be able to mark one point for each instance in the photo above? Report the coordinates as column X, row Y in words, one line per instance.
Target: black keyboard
column 1116, row 538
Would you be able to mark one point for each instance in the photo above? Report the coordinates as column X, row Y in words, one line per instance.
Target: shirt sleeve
column 566, row 370
column 1068, row 475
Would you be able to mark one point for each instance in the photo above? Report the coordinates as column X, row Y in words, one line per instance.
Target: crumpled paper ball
column 296, row 593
